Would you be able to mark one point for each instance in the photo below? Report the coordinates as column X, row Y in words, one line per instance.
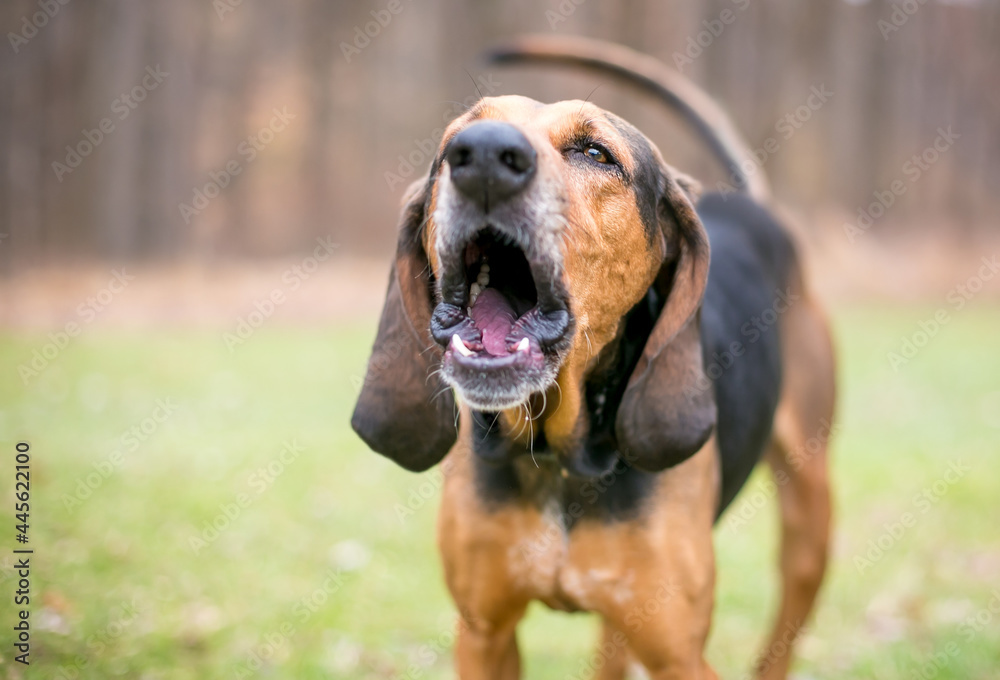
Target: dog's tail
column 651, row 76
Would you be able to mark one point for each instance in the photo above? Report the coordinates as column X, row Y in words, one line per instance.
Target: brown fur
column 651, row 580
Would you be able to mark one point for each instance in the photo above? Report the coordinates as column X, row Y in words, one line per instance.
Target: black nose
column 490, row 161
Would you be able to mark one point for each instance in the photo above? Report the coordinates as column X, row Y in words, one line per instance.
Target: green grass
column 320, row 574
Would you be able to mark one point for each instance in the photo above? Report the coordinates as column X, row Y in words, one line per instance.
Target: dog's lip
column 552, row 298
column 489, row 382
column 546, row 332
column 525, row 354
column 458, row 345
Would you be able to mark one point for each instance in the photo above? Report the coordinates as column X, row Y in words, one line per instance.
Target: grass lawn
column 141, row 440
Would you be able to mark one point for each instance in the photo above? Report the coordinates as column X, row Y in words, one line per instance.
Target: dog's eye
column 597, row 154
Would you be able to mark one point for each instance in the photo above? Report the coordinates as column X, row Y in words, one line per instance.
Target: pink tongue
column 494, row 317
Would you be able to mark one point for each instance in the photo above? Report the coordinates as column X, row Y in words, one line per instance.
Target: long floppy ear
column 405, row 412
column 666, row 414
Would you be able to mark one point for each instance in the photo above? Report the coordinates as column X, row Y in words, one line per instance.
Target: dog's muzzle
column 504, row 316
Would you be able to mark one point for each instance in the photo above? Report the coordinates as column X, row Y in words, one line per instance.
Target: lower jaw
column 494, row 400
column 492, row 404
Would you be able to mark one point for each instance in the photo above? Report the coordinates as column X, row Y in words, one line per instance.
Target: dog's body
column 614, row 395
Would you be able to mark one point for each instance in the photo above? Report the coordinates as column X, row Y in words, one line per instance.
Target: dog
column 621, row 351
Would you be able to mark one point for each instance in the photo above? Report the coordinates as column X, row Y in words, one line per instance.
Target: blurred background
column 360, row 113
column 198, row 201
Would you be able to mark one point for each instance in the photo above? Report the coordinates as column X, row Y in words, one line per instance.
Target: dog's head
column 521, row 254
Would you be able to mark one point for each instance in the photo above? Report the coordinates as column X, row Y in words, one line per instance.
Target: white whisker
column 440, row 392
column 524, row 423
column 531, row 439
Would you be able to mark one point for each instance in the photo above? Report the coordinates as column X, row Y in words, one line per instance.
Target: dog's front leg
column 479, row 550
column 485, row 651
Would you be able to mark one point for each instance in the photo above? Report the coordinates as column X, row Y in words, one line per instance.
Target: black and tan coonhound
column 615, row 384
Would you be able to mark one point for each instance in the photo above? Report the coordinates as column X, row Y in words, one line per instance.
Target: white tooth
column 474, row 290
column 459, row 346
column 523, row 345
column 483, row 279
column 484, row 269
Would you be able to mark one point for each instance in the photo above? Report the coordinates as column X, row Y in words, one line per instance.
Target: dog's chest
column 538, row 554
column 559, row 551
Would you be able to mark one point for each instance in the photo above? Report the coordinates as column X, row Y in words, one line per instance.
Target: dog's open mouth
column 503, row 322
